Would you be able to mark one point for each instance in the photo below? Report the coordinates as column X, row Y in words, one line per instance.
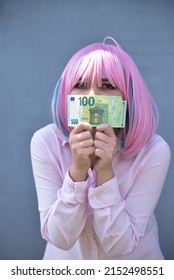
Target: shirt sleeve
column 62, row 205
column 119, row 223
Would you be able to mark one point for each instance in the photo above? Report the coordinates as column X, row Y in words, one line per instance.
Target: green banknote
column 98, row 109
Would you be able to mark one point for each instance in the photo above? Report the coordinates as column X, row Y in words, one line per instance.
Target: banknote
column 98, row 109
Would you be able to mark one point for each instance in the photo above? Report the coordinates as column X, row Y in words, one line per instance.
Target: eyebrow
column 104, row 80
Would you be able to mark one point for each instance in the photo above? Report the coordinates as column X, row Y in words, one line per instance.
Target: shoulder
column 157, row 143
column 47, row 136
column 45, row 132
column 48, row 132
column 156, row 150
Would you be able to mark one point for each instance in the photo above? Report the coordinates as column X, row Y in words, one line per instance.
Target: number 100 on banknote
column 98, row 109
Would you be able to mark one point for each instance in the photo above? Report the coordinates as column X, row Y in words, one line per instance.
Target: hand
column 105, row 147
column 82, row 146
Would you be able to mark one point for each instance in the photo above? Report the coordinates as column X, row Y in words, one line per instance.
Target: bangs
column 97, row 64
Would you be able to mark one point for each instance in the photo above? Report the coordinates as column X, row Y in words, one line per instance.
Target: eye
column 107, row 85
column 81, row 85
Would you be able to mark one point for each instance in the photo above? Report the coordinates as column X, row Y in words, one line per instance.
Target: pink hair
column 112, row 62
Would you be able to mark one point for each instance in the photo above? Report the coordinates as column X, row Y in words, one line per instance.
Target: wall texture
column 37, row 38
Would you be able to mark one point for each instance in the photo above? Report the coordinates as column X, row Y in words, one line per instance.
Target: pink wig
column 112, row 62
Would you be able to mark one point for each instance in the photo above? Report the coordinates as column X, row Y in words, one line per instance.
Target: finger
column 88, row 151
column 85, row 135
column 105, row 128
column 101, row 145
column 102, row 137
column 86, row 143
column 82, row 126
column 101, row 154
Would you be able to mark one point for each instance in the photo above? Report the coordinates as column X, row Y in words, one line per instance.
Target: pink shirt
column 113, row 221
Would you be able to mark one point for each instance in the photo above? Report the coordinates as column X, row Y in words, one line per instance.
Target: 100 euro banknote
column 98, row 109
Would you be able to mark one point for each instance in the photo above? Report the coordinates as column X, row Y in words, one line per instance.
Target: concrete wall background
column 37, row 38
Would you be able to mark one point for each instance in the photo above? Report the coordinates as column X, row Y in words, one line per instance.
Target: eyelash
column 80, row 85
column 104, row 85
column 108, row 86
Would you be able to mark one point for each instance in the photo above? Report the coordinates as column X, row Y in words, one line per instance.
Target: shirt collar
column 64, row 139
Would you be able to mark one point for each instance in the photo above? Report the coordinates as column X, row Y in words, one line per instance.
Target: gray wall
column 37, row 38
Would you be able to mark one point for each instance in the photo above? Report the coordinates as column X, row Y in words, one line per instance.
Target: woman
column 97, row 188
